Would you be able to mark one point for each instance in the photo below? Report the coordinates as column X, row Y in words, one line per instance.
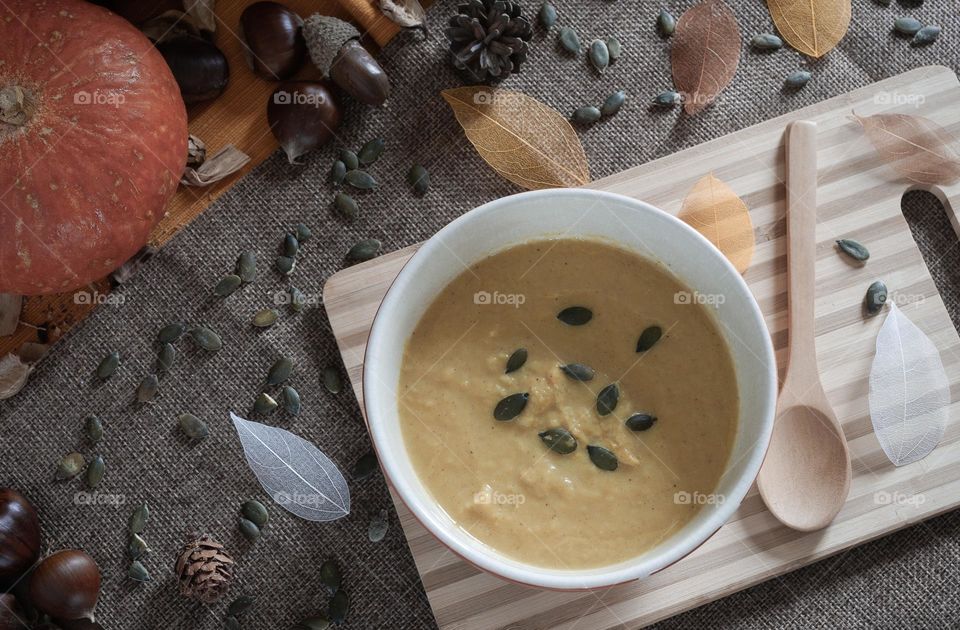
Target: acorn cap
column 325, row 36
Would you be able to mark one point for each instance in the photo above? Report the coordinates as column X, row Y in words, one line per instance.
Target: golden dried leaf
column 524, row 140
column 916, row 146
column 714, row 210
column 813, row 27
column 705, row 53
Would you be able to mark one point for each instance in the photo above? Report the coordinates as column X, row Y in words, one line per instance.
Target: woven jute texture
column 906, row 580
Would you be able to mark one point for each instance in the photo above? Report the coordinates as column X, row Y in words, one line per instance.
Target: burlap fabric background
column 909, row 579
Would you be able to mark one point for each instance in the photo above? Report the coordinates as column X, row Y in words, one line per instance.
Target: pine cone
column 204, row 570
column 488, row 38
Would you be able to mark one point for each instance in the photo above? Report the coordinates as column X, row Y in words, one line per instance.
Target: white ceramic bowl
column 572, row 212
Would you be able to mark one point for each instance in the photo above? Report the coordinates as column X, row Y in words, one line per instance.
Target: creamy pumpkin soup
column 568, row 402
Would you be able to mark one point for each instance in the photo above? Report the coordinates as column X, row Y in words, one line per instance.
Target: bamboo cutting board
column 859, row 197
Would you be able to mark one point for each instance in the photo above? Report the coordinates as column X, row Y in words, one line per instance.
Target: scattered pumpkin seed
column 766, row 41
column 366, row 249
column 297, row 299
column 138, row 519
column 349, row 159
column 247, row 266
column 853, row 249
column 265, row 317
column 137, row 572
column 797, row 79
column 346, row 205
column 255, row 512
column 303, row 232
column 337, row 172
column 419, row 179
column 575, row 315
column 138, row 547
column 227, row 285
column 569, row 40
column 614, row 48
column 171, row 332
column 379, row 524
column 331, row 379
column 599, row 55
column 166, row 357
column 361, row 180
column 232, row 623
column 338, row 607
column 586, row 115
column 264, row 404
column 365, row 466
column 108, row 365
column 602, row 458
column 291, row 246
column 313, row 623
column 240, row 605
column 330, row 575
column 578, row 371
column 95, row 471
column 94, row 429
column 559, row 440
column 206, row 338
column 666, row 23
column 876, row 297
column 516, row 360
column 279, row 371
column 648, row 338
column 192, row 426
column 547, row 15
column 249, row 530
column 613, row 103
column 669, row 98
column 291, row 400
column 510, row 407
column 371, row 151
column 640, row 421
column 607, row 399
column 286, row 265
column 926, row 35
column 907, row 25
column 70, row 466
column 148, row 388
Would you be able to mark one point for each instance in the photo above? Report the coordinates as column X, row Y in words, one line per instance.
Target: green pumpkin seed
column 279, row 371
column 569, row 40
column 648, row 338
column 166, row 357
column 193, row 427
column 286, row 265
column 798, row 79
column 547, row 15
column 240, row 605
column 666, row 23
column 366, row 249
column 297, row 299
column 907, row 25
column 371, row 151
column 232, row 623
column 265, row 317
column 303, row 232
column 876, row 297
column 227, row 285
column 171, row 332
column 249, row 530
column 330, row 575
column 586, row 115
column 291, row 246
column 70, row 466
column 138, row 547
column 349, row 159
column 137, row 572
column 138, row 519
column 291, row 400
column 95, row 471
column 313, row 623
column 559, row 440
column 108, row 365
column 926, row 35
column 365, row 466
column 419, row 179
column 607, row 399
column 94, row 429
column 599, row 55
column 379, row 524
column 346, row 205
column 206, row 338
column 640, row 421
column 331, row 380
column 338, row 607
column 516, row 360
column 337, row 172
column 247, row 266
column 264, row 404
column 668, row 98
column 578, row 371
column 575, row 315
column 853, row 249
column 613, row 103
column 255, row 512
column 361, row 180
column 148, row 388
column 510, row 407
column 602, row 458
column 766, row 41
column 614, row 48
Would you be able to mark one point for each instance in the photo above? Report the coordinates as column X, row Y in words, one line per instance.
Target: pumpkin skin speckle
column 98, row 151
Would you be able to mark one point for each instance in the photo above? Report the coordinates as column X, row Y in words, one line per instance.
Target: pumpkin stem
column 17, row 105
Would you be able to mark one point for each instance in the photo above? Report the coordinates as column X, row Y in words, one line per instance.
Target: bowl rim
column 528, row 574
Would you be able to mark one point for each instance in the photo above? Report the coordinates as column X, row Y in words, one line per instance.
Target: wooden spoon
column 805, row 477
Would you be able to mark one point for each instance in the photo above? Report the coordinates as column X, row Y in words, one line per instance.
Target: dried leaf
column 405, row 13
column 909, row 390
column 10, row 306
column 294, row 472
column 714, row 210
column 916, row 146
column 705, row 53
column 813, row 27
column 524, row 140
column 202, row 12
column 223, row 163
column 13, row 375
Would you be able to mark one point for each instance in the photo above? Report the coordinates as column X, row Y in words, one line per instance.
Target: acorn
column 200, row 68
column 303, row 115
column 66, row 585
column 335, row 49
column 19, row 537
column 274, row 38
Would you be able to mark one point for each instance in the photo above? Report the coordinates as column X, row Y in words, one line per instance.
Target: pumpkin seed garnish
column 419, row 179
column 569, row 40
column 547, row 15
column 240, row 605
column 338, row 607
column 559, row 440
column 797, row 79
column 279, row 371
column 264, row 404
column 70, row 466
column 95, row 471
column 666, row 23
column 291, row 246
column 349, row 159
column 138, row 519
column 291, row 400
column 668, row 98
column 607, row 399
column 331, row 379
column 303, row 232
column 108, row 365
column 648, row 338
column 255, row 512
column 337, row 172
column 510, row 407
column 853, row 249
column 137, row 572
column 297, row 299
column 876, row 297
column 766, row 41
column 171, row 332
column 166, row 357
column 148, row 388
column 907, row 25
column 192, row 426
column 265, row 317
column 247, row 266
column 94, row 429
column 575, row 315
column 206, row 338
column 316, row 622
column 330, row 575
column 138, row 547
column 602, row 458
column 640, row 421
column 249, row 530
column 614, row 48
column 232, row 623
column 346, row 205
column 379, row 524
column 365, row 466
column 371, row 151
column 227, row 285
column 285, row 264
column 366, row 249
column 516, row 360
column 586, row 115
column 360, row 180
column 926, row 35
column 613, row 103
column 578, row 371
column 599, row 55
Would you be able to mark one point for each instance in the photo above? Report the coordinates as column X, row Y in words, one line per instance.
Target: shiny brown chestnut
column 303, row 115
column 274, row 38
column 201, row 70
column 66, row 585
column 11, row 617
column 19, row 536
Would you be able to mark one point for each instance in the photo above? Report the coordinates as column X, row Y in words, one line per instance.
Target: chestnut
column 19, row 536
column 303, row 115
column 201, row 70
column 66, row 585
column 335, row 49
column 274, row 39
column 11, row 617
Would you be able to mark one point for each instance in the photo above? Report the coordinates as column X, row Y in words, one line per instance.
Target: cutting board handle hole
column 934, row 226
